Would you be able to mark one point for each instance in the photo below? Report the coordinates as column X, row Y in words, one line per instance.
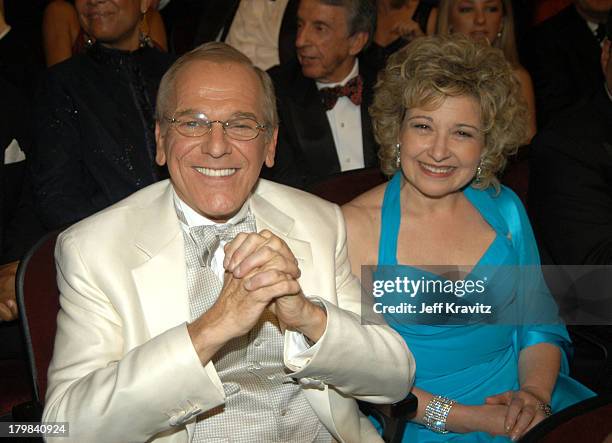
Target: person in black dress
column 94, row 135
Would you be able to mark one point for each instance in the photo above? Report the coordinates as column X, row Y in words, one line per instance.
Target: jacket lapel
column 216, row 17
column 370, row 148
column 160, row 278
column 312, row 128
column 288, row 32
column 269, row 216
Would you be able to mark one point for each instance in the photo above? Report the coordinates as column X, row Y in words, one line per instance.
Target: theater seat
column 38, row 301
column 585, row 422
column 345, row 186
column 15, row 387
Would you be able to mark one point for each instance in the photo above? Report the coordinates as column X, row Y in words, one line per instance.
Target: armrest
column 392, row 417
column 28, row 411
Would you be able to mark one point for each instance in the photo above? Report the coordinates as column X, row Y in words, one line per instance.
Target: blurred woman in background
column 398, row 22
column 491, row 21
column 94, row 123
column 64, row 36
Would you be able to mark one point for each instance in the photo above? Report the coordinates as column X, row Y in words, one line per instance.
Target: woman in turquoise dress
column 447, row 112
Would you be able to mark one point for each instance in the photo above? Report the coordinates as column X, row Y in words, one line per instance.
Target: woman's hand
column 8, row 304
column 523, row 410
column 408, row 30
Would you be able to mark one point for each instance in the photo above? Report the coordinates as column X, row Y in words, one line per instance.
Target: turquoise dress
column 471, row 361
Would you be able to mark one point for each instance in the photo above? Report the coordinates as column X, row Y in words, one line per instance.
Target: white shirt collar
column 6, row 31
column 194, row 218
column 354, row 73
column 592, row 26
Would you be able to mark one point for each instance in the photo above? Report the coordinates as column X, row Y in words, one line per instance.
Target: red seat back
column 345, row 186
column 38, row 300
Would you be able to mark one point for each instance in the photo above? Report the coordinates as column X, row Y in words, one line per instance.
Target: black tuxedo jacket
column 306, row 152
column 562, row 55
column 19, row 226
column 570, row 192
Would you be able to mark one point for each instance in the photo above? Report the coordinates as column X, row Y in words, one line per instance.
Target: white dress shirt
column 255, row 30
column 345, row 123
column 6, row 31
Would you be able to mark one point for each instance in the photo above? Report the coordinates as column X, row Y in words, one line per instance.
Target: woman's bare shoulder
column 522, row 75
column 365, row 204
column 60, row 10
column 362, row 217
column 362, row 214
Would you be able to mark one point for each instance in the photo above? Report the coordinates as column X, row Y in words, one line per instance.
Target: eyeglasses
column 242, row 128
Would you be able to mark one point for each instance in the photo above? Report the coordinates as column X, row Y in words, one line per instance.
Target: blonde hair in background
column 507, row 41
column 428, row 70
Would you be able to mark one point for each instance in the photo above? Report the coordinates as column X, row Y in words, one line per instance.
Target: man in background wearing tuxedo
column 562, row 56
column 323, row 97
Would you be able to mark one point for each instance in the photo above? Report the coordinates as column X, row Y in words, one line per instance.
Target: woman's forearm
column 538, row 369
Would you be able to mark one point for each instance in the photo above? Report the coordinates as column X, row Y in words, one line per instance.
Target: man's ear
column 271, row 149
column 160, row 150
column 357, row 42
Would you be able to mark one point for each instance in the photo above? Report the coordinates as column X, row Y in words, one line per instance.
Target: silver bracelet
column 436, row 413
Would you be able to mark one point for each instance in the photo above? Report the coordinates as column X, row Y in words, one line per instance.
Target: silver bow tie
column 207, row 238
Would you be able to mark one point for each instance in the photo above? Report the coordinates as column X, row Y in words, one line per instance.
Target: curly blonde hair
column 432, row 68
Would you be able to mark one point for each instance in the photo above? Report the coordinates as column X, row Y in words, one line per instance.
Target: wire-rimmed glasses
column 237, row 128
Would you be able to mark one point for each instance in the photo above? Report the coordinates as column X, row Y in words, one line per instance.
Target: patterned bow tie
column 207, row 238
column 353, row 90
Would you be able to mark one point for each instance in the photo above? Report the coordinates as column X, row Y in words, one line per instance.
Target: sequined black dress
column 94, row 132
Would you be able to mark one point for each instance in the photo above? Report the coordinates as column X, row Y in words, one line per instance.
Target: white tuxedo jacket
column 124, row 368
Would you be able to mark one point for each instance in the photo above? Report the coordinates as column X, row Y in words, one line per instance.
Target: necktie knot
column 207, row 238
column 353, row 89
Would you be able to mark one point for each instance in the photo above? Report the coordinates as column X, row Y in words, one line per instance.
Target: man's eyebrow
column 244, row 114
column 322, row 23
column 190, row 111
column 198, row 112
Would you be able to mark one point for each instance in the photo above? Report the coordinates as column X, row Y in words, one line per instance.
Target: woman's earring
column 143, row 37
column 501, row 29
column 398, row 160
column 478, row 178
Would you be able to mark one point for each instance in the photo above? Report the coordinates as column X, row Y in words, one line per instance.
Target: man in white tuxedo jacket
column 279, row 353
